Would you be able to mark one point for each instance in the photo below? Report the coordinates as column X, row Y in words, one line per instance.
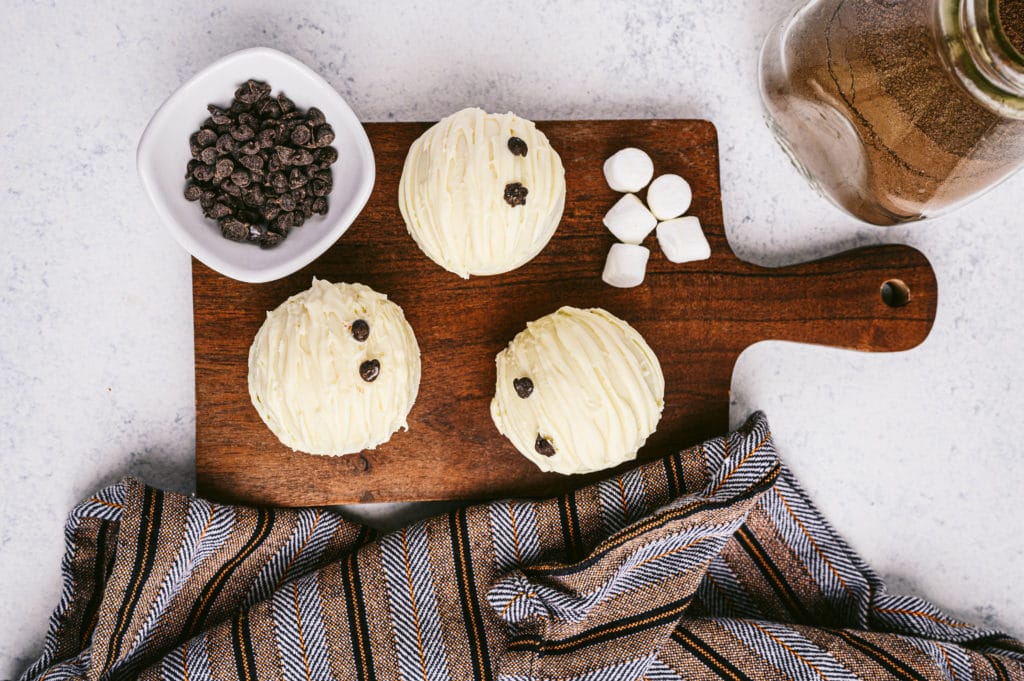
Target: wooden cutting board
column 698, row 317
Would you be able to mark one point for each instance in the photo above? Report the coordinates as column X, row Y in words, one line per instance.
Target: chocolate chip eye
column 515, row 194
column 369, row 370
column 523, row 386
column 543, row 447
column 517, row 146
column 360, row 330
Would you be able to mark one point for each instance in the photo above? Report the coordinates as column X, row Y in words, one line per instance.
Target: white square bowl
column 163, row 154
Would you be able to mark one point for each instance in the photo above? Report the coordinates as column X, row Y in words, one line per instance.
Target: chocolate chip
column 218, row 115
column 242, row 133
column 301, row 134
column 233, row 228
column 208, row 155
column 206, row 137
column 223, row 169
column 283, row 154
column 320, row 187
column 326, row 156
column 517, row 146
column 286, row 104
column 297, row 179
column 256, row 197
column 543, row 447
column 268, row 108
column 225, row 144
column 323, row 136
column 218, row 210
column 193, row 192
column 369, row 370
column 252, row 162
column 285, row 222
column 270, row 238
column 203, row 173
column 315, row 116
column 241, row 178
column 266, row 138
column 360, row 330
column 515, row 194
column 302, row 157
column 278, row 181
column 523, row 386
column 251, row 92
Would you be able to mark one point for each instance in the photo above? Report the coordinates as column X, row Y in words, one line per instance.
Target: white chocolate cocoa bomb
column 594, row 395
column 452, row 192
column 305, row 367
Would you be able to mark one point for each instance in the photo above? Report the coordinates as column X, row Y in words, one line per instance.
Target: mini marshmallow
column 629, row 220
column 669, row 196
column 682, row 240
column 626, row 265
column 628, row 170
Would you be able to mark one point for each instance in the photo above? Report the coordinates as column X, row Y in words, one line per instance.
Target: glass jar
column 898, row 110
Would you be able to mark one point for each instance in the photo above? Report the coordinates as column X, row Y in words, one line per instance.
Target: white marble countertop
column 914, row 456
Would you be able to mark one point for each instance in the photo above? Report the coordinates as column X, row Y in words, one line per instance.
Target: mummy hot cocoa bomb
column 578, row 391
column 482, row 193
column 334, row 369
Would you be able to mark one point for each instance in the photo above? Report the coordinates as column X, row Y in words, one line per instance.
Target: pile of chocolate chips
column 262, row 166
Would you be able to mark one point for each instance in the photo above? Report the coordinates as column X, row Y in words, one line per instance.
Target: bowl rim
column 353, row 206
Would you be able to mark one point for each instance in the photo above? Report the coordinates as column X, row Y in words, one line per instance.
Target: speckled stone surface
column 914, row 456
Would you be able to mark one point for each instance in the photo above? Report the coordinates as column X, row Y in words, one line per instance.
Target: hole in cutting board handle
column 895, row 293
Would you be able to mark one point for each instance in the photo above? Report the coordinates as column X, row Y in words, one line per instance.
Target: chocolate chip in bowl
column 256, row 148
column 274, row 180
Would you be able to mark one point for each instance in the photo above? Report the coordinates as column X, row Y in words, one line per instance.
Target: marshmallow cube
column 629, row 220
column 628, row 170
column 682, row 240
column 669, row 197
column 626, row 265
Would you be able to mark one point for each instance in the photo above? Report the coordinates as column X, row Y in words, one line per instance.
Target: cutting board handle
column 876, row 299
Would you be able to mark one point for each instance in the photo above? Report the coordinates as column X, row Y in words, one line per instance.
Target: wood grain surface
column 698, row 317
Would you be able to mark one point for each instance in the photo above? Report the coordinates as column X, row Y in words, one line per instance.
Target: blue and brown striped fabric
column 709, row 563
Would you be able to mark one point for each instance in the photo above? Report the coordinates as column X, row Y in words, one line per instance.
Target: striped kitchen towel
column 709, row 563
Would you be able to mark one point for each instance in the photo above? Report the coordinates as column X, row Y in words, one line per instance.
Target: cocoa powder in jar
column 861, row 95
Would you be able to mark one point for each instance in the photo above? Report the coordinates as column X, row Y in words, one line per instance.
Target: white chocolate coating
column 452, row 193
column 598, row 390
column 304, row 370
